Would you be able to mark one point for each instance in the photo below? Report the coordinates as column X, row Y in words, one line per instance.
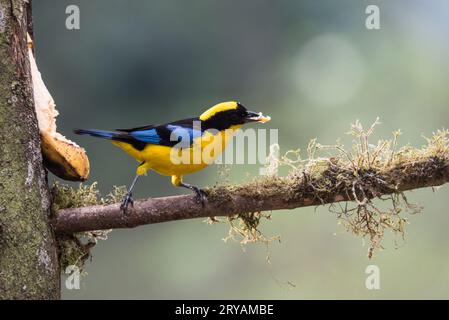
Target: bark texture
column 261, row 195
column 28, row 259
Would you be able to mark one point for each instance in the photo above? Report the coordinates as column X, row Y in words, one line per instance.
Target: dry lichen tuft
column 348, row 180
column 75, row 249
column 331, row 174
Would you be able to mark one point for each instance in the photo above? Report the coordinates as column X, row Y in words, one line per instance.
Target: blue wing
column 179, row 134
column 148, row 136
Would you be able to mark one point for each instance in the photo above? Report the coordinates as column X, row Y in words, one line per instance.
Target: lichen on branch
column 74, row 249
column 328, row 175
column 358, row 175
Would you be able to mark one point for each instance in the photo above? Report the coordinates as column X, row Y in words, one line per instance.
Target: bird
column 181, row 147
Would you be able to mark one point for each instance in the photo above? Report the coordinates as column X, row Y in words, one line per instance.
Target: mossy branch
column 329, row 176
column 358, row 175
column 263, row 194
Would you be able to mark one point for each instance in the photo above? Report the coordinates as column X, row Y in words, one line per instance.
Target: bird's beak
column 257, row 116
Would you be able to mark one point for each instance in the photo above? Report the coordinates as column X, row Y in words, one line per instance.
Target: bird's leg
column 200, row 194
column 128, row 198
column 176, row 180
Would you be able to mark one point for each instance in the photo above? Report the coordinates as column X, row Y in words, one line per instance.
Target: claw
column 200, row 196
column 126, row 202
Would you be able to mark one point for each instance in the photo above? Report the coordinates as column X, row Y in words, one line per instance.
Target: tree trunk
column 29, row 266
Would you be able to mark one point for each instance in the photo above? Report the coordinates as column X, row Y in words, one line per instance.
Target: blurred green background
column 311, row 65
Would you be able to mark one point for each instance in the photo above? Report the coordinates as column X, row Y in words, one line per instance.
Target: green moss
column 28, row 260
column 75, row 249
column 64, row 196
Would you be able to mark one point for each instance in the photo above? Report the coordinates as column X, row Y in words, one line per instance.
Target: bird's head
column 227, row 114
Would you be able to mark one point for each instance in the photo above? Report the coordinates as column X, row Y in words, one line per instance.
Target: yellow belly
column 170, row 161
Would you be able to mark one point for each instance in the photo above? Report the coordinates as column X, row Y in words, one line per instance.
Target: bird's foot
column 201, row 196
column 126, row 202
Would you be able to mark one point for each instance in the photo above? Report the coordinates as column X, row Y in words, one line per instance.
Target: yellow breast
column 180, row 161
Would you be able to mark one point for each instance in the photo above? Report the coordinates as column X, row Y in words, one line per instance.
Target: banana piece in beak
column 62, row 157
column 263, row 119
column 257, row 117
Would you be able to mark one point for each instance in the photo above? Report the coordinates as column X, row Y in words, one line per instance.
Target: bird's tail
column 110, row 135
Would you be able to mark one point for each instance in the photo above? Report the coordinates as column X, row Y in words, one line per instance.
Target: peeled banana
column 62, row 157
